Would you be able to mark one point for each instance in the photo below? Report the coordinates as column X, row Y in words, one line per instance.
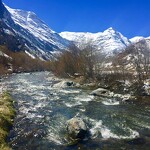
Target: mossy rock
column 5, row 123
column 5, row 147
column 3, row 135
column 2, row 103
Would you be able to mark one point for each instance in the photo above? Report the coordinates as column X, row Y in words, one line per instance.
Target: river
column 43, row 109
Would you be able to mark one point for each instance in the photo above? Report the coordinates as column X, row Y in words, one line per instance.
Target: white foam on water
column 61, row 84
column 56, row 98
column 84, row 98
column 24, row 110
column 55, row 129
column 106, row 133
column 39, row 96
column 100, row 129
column 141, row 124
column 54, row 138
column 39, row 116
column 110, row 102
column 70, row 91
column 73, row 104
column 40, row 105
column 53, row 78
column 82, row 109
column 31, row 115
column 95, row 130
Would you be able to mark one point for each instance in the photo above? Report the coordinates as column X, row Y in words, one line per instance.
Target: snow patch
column 137, row 39
column 30, row 54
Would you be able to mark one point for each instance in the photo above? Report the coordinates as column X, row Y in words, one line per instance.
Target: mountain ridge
column 33, row 36
column 22, row 27
column 110, row 40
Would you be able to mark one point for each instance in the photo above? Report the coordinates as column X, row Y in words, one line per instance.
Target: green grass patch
column 7, row 114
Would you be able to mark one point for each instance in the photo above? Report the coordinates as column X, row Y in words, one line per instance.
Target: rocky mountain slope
column 25, row 31
column 8, row 36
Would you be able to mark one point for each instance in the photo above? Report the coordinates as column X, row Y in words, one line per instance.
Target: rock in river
column 64, row 84
column 102, row 92
column 77, row 129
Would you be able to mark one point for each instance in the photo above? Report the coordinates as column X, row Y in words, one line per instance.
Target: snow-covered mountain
column 137, row 39
column 36, row 37
column 108, row 41
column 29, row 21
column 141, row 39
column 23, row 30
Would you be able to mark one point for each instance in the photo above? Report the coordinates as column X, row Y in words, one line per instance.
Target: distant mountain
column 142, row 40
column 23, row 30
column 109, row 41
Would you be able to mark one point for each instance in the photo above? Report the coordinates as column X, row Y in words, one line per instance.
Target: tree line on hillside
column 75, row 61
column 90, row 62
column 94, row 64
column 16, row 62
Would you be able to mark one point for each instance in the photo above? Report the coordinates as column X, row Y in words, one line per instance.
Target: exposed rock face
column 8, row 36
column 77, row 129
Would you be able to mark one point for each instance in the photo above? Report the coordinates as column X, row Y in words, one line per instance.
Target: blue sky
column 130, row 17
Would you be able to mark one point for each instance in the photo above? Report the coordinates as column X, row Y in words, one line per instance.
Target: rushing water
column 44, row 108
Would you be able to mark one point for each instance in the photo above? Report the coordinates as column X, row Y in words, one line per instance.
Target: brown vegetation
column 76, row 62
column 20, row 62
column 133, row 65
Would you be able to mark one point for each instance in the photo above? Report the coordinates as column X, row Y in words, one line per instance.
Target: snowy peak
column 137, row 39
column 32, row 35
column 29, row 21
column 39, row 40
column 110, row 30
column 142, row 40
column 109, row 41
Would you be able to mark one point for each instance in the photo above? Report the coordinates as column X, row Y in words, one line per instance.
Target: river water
column 43, row 107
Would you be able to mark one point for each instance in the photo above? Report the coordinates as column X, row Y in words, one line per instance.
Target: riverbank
column 7, row 114
column 45, row 103
column 127, row 90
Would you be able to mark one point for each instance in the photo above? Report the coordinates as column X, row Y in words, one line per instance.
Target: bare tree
column 142, row 60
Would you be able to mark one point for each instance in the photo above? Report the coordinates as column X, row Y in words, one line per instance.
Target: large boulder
column 64, row 84
column 102, row 92
column 77, row 129
column 108, row 94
